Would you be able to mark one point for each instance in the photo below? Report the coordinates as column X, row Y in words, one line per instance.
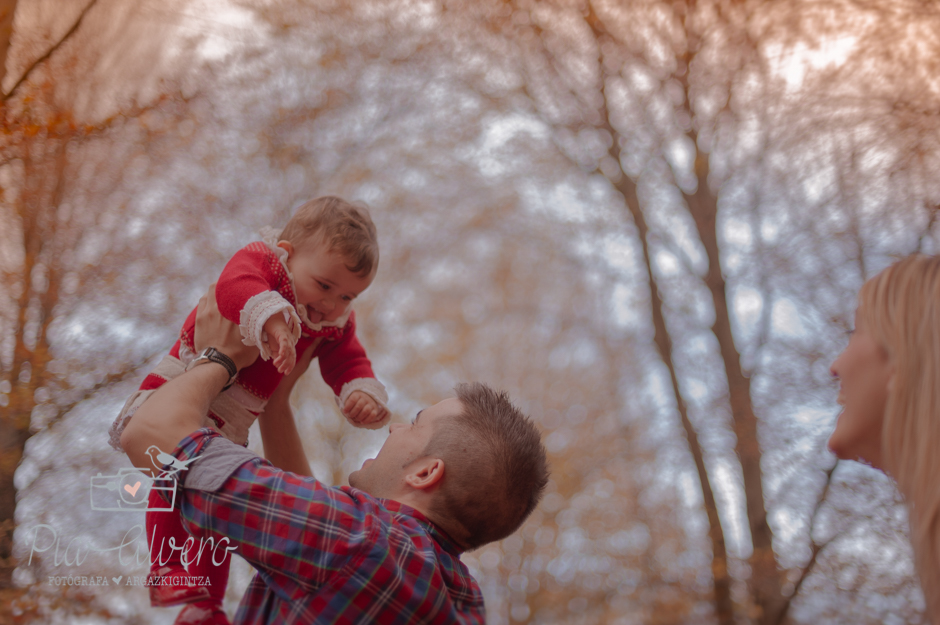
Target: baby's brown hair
column 345, row 227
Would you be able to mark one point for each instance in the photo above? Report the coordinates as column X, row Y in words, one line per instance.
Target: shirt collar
column 440, row 536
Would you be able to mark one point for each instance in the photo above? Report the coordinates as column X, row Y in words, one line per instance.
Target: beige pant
column 236, row 408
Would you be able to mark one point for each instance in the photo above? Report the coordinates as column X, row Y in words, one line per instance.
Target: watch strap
column 211, row 354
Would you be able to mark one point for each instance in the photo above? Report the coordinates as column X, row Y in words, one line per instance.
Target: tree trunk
column 12, row 441
column 31, row 350
column 765, row 582
column 724, row 608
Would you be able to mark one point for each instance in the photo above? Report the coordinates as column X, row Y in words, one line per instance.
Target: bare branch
column 766, row 290
column 7, row 10
column 934, row 210
column 673, row 248
column 816, row 546
column 50, row 52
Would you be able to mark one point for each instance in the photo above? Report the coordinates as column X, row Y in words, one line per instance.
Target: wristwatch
column 211, row 354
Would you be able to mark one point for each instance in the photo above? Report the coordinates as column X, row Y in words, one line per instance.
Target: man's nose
column 328, row 304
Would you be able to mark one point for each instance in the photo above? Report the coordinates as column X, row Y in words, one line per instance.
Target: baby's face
column 322, row 282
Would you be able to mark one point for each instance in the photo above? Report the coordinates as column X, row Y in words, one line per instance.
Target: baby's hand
column 281, row 344
column 362, row 410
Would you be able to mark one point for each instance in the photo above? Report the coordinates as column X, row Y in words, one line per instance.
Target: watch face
column 200, row 357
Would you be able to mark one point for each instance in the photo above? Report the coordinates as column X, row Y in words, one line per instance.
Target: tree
column 677, row 107
column 70, row 238
column 689, row 114
column 645, row 221
column 473, row 284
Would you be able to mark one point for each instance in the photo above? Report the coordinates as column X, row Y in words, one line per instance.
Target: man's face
column 321, row 280
column 384, row 475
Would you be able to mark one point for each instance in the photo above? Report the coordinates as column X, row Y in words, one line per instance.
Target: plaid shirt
column 323, row 555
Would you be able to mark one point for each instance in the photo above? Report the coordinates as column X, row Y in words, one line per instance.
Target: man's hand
column 362, row 410
column 281, row 343
column 214, row 330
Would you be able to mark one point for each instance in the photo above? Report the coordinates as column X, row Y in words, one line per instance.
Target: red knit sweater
column 255, row 269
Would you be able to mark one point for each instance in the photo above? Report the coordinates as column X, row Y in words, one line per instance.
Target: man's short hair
column 495, row 467
column 344, row 227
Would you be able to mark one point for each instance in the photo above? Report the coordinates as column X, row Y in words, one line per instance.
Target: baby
column 287, row 292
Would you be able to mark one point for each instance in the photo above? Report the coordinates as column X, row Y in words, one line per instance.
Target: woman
column 889, row 379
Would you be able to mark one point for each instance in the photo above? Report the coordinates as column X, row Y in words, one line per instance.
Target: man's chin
column 360, row 477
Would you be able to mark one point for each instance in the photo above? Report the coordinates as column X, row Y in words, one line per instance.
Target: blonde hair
column 345, row 227
column 901, row 308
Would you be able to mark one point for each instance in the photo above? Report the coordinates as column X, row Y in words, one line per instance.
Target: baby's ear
column 286, row 245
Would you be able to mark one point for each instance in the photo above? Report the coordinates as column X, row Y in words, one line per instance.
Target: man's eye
column 346, row 298
column 325, row 287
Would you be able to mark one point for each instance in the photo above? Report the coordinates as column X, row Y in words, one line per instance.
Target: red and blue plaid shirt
column 323, row 555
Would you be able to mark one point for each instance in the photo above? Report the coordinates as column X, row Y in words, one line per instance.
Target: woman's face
column 864, row 371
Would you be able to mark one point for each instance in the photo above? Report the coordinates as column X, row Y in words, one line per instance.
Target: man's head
column 474, row 464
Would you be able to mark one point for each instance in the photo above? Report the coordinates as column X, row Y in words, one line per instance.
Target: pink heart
column 132, row 491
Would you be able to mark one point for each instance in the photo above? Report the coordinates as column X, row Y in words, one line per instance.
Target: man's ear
column 425, row 473
column 286, row 245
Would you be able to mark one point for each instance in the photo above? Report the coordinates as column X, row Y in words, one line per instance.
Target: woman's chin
column 842, row 448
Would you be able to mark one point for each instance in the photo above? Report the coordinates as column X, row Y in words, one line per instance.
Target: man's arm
column 237, row 498
column 177, row 408
column 282, row 446
column 172, row 413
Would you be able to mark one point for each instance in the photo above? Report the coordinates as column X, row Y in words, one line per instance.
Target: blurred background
column 646, row 220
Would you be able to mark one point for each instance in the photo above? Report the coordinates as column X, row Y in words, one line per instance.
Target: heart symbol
column 117, row 580
column 132, row 491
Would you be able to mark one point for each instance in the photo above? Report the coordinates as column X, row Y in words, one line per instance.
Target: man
column 465, row 472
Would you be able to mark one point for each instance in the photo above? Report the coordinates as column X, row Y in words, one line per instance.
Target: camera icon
column 129, row 491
